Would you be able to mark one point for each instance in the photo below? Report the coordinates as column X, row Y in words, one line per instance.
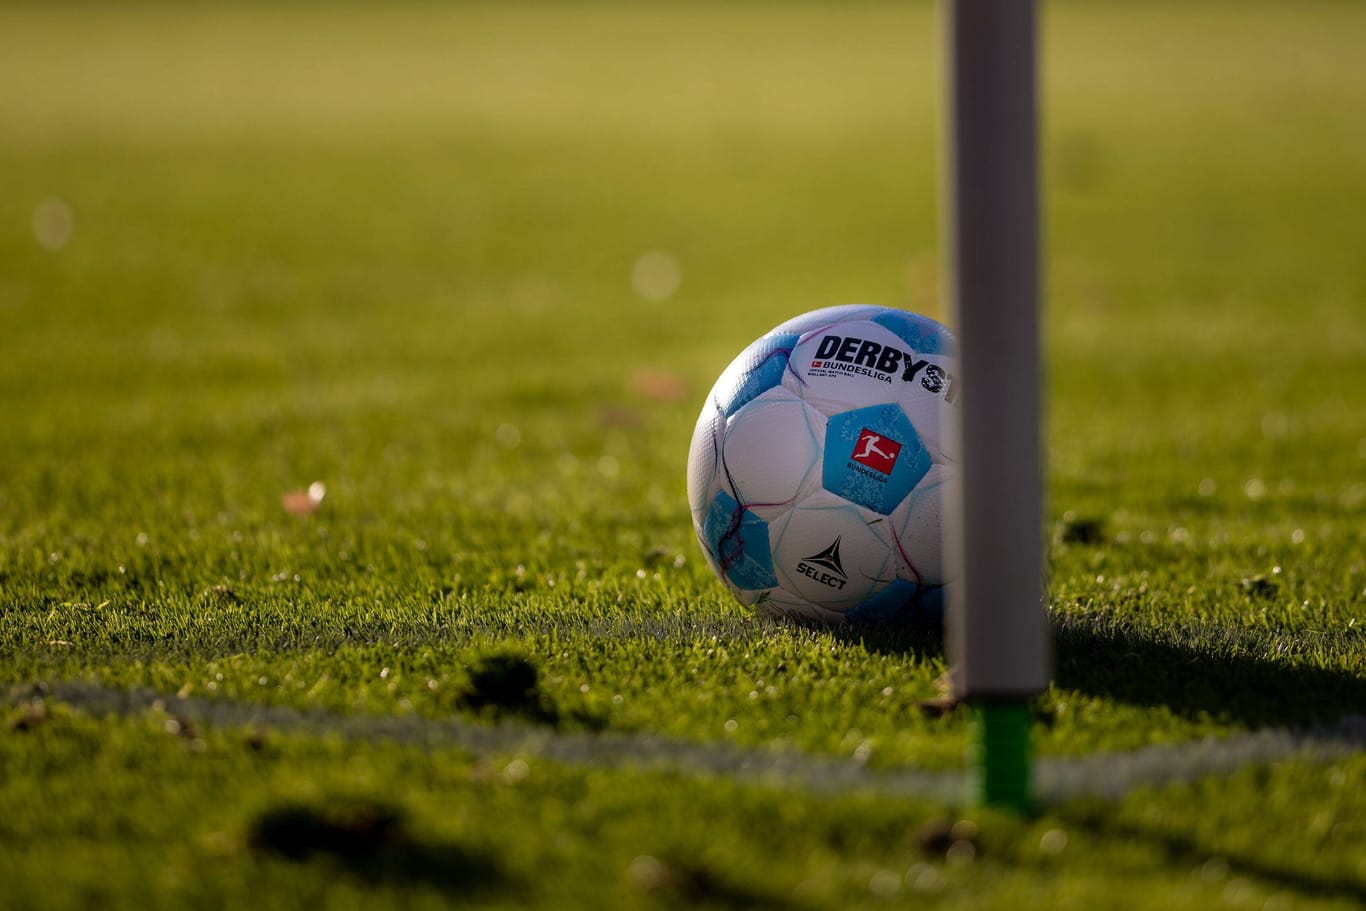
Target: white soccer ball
column 818, row 468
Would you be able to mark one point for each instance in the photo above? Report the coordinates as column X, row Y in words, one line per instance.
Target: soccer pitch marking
column 735, row 628
column 1108, row 775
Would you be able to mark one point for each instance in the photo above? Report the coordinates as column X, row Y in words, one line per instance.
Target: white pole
column 998, row 630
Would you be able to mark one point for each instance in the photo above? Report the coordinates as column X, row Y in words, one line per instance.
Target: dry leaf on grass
column 659, row 385
column 304, row 502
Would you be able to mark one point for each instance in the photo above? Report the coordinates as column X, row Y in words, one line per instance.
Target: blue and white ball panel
column 706, row 552
column 704, row 457
column 873, row 457
column 899, row 602
column 917, row 525
column 850, row 364
column 738, row 542
column 759, row 368
column 780, row 604
column 895, row 602
column 825, row 552
column 920, row 333
column 772, row 452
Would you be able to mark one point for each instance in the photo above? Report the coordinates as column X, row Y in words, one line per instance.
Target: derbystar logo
column 851, row 356
column 876, row 451
column 825, row 567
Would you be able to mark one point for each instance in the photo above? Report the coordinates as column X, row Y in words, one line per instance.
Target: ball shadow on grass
column 1220, row 674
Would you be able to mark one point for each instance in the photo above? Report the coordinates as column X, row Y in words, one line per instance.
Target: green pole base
column 1002, row 759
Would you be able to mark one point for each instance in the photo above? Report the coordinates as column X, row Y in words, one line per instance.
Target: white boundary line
column 1108, row 775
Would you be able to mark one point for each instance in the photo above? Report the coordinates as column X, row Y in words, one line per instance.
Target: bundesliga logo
column 876, row 451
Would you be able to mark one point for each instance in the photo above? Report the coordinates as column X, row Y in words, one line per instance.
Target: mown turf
column 391, row 249
column 130, row 810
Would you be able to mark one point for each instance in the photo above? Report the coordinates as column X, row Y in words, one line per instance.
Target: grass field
column 244, row 248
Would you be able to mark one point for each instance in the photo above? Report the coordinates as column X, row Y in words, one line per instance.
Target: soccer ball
column 818, row 469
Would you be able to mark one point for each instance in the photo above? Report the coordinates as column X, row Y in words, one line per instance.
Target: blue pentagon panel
column 873, row 457
column 738, row 540
column 929, row 604
column 895, row 602
column 706, row 552
column 758, row 369
column 922, row 334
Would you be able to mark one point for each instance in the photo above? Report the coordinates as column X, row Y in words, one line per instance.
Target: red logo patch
column 876, row 451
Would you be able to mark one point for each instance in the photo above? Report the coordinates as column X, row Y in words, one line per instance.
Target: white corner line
column 1057, row 779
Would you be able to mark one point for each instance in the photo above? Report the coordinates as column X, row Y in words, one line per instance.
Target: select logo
column 825, row 567
column 876, row 451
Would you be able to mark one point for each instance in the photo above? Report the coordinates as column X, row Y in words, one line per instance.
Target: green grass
column 488, row 832
column 359, row 246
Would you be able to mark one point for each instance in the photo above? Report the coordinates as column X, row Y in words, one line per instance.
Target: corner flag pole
column 997, row 626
